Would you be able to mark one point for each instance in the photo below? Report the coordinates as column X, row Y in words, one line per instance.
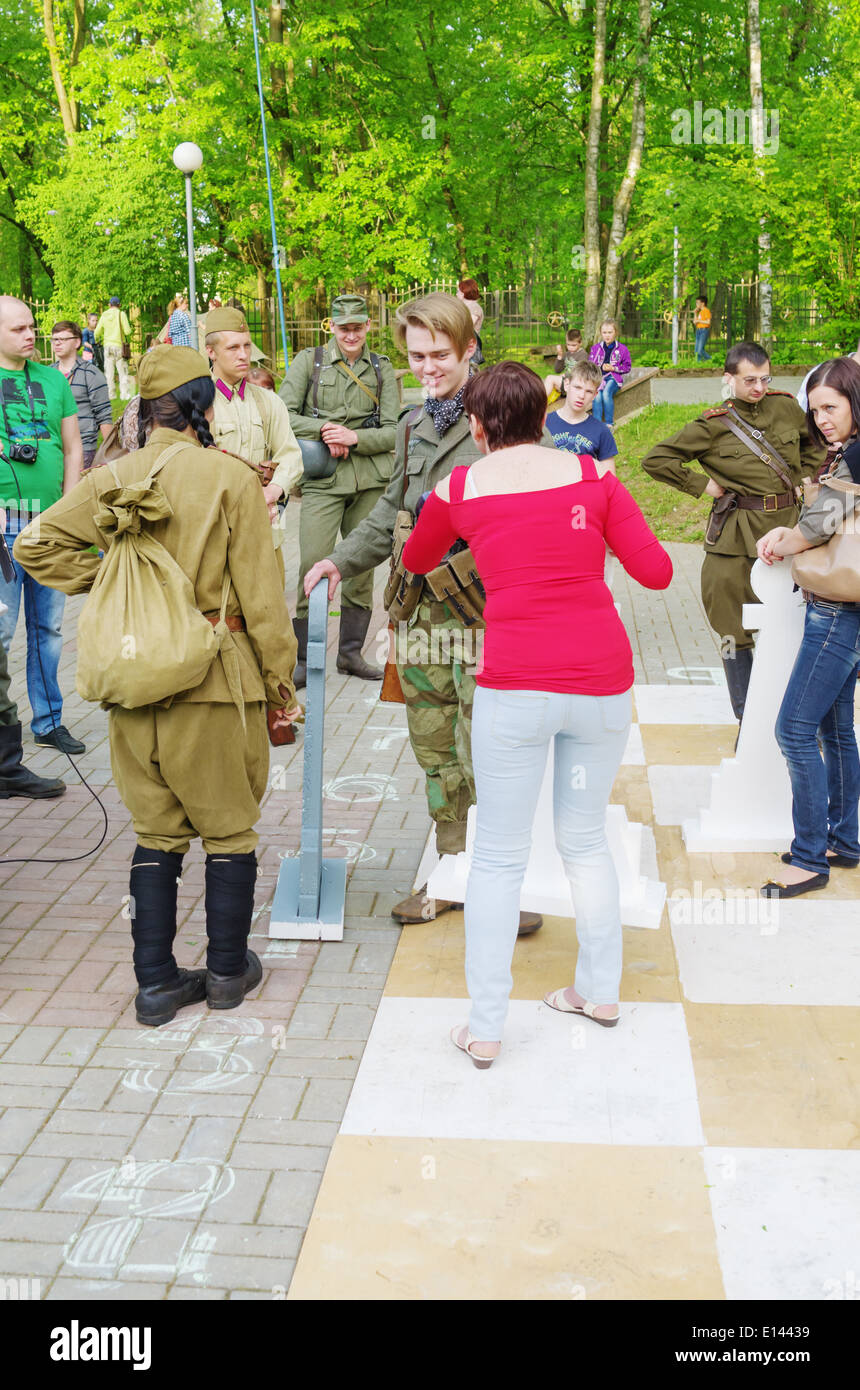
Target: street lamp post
column 188, row 158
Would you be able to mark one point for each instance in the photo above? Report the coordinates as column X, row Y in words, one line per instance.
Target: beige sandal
column 466, row 1046
column 556, row 1000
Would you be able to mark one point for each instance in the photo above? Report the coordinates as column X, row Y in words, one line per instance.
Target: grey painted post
column 311, row 891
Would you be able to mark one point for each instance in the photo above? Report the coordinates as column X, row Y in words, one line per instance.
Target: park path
column 186, row 1162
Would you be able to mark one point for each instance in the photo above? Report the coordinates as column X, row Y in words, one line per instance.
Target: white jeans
column 510, row 733
column 115, row 362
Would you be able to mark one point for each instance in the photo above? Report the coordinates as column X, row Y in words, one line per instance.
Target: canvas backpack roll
column 141, row 636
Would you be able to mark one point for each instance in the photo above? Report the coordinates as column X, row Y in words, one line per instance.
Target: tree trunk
column 69, row 110
column 757, row 100
column 591, row 230
column 624, row 196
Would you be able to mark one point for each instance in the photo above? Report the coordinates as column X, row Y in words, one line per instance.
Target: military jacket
column 708, row 441
column 341, row 400
column 219, row 519
column 430, row 459
column 257, row 427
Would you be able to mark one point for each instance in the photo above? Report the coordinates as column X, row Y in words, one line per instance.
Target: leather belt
column 236, row 624
column 774, row 502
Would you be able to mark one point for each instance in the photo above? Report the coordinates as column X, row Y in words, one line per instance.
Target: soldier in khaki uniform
column 248, row 420
column 756, row 497
column 352, row 409
column 437, row 667
column 189, row 765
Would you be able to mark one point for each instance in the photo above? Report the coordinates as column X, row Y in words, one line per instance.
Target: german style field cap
column 225, row 320
column 164, row 368
column 349, row 308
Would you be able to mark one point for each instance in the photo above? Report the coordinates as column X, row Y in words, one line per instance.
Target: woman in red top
column 557, row 667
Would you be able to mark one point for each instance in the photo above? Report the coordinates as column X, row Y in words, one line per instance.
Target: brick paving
column 183, row 1162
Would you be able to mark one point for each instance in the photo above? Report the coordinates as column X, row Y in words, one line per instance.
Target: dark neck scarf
column 445, row 413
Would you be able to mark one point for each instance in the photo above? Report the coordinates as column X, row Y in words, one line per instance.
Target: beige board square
column 680, row 870
column 689, row 744
column 774, row 1077
column 413, row 1219
column 429, row 962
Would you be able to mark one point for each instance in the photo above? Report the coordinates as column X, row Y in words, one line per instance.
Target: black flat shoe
column 793, row 890
column 228, row 991
column 158, row 1004
column 60, row 738
column 838, row 861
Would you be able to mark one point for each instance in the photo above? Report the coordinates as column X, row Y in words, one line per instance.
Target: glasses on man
column 752, row 380
column 63, row 338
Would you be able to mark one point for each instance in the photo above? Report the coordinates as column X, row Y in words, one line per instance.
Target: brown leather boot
column 354, row 623
column 421, row 908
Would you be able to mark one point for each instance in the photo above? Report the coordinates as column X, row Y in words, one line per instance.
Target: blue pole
column 275, row 249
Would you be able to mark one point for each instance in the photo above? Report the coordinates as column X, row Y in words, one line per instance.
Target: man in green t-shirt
column 40, row 460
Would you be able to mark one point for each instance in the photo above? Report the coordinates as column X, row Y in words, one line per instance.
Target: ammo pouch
column 457, row 583
column 721, row 510
column 403, row 590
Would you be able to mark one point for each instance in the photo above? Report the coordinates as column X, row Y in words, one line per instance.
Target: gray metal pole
column 192, row 281
column 675, row 299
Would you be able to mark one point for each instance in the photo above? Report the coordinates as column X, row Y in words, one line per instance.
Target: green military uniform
column 341, row 502
column 438, row 696
column 729, row 558
column 186, row 766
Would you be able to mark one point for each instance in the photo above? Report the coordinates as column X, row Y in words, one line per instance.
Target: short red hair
column 509, row 400
column 469, row 289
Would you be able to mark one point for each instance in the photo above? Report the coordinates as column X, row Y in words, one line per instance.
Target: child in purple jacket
column 613, row 359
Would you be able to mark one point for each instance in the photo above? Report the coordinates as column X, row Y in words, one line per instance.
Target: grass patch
column 672, row 515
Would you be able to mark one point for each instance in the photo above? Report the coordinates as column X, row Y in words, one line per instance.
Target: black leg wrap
column 153, row 887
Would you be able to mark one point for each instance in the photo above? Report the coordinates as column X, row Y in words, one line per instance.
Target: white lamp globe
column 188, row 157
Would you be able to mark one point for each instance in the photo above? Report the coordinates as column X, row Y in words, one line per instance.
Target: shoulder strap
column 410, row 421
column 160, row 462
column 457, row 485
column 588, row 468
column 764, row 450
column 358, row 381
column 319, row 352
column 377, row 367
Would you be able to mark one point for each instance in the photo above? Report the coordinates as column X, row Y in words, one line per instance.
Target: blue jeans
column 819, row 703
column 702, row 335
column 43, row 612
column 510, row 733
column 604, row 401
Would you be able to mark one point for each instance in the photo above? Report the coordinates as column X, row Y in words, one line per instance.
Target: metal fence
column 523, row 320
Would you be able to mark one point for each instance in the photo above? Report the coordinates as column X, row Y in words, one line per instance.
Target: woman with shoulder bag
column 819, row 699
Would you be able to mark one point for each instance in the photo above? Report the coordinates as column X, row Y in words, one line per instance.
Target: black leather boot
column 738, row 669
column 354, row 623
column 158, row 1004
column 232, row 970
column 17, row 780
column 300, row 675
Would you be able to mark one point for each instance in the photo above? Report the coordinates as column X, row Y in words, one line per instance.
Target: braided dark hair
column 183, row 406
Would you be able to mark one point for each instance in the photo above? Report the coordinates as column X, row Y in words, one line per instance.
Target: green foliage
column 417, row 141
column 672, row 515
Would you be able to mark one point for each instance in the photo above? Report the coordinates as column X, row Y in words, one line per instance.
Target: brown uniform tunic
column 186, row 766
column 708, row 441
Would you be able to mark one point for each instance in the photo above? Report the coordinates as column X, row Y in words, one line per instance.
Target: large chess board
column 708, row 1147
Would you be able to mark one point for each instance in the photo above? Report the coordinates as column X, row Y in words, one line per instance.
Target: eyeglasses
column 63, row 338
column 751, row 380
